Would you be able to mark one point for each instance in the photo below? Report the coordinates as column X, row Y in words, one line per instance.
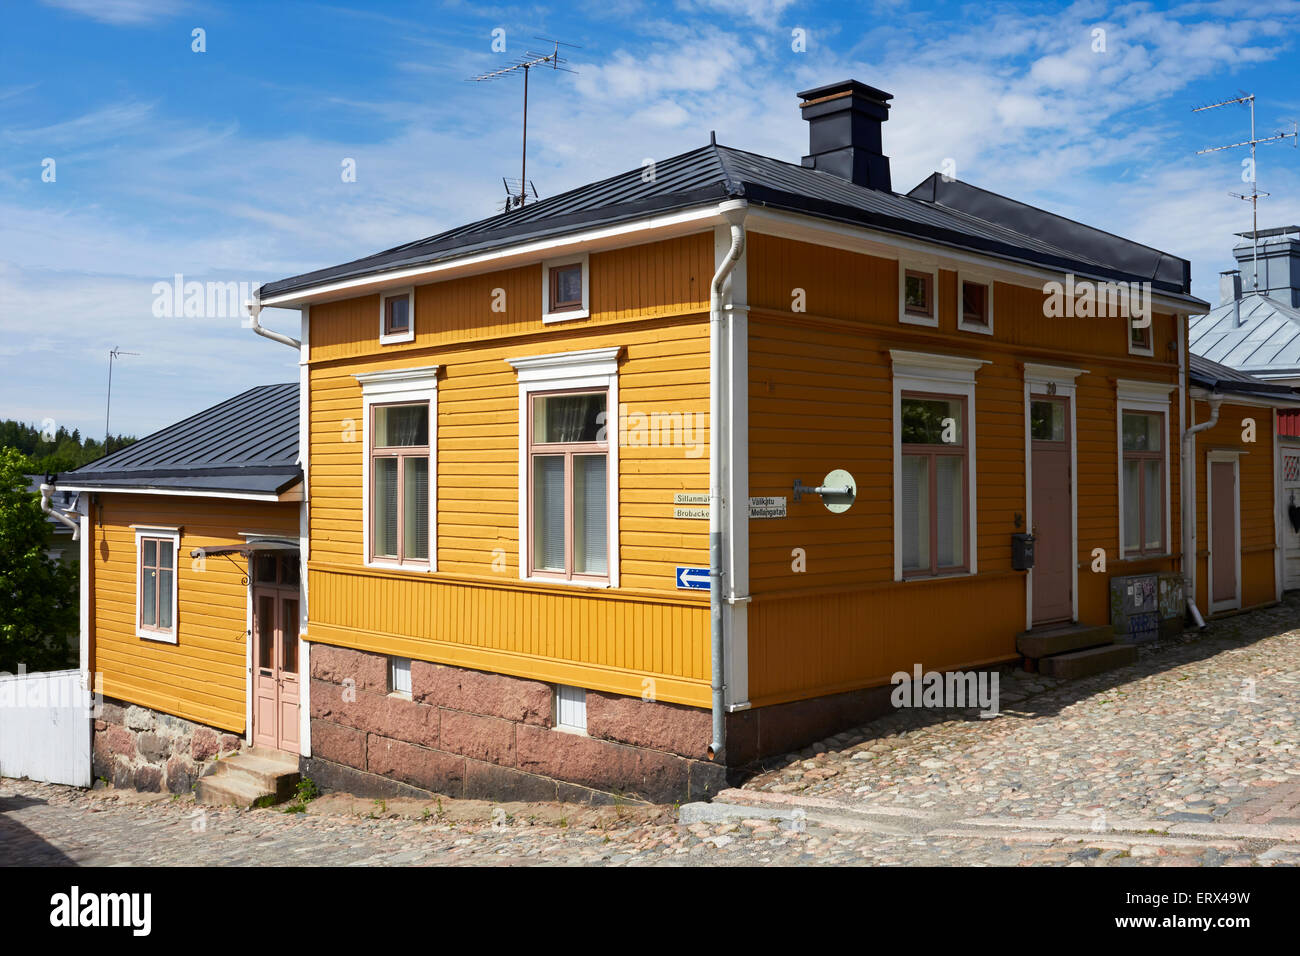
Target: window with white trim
column 1139, row 336
column 397, row 316
column 918, row 294
column 565, row 285
column 934, row 464
column 156, row 583
column 570, row 708
column 974, row 304
column 399, row 483
column 568, row 467
column 399, row 676
column 1142, row 449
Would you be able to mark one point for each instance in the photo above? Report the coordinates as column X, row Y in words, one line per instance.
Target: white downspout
column 254, row 307
column 734, row 211
column 59, row 516
column 1188, row 499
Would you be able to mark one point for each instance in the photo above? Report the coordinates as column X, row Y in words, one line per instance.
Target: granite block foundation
column 141, row 749
column 488, row 736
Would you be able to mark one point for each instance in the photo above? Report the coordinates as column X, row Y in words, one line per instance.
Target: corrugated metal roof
column 1263, row 340
column 711, row 173
column 248, row 443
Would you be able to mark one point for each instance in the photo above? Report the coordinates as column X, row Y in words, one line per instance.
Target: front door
column 275, row 652
column 1291, row 515
column 1224, row 550
column 1054, row 559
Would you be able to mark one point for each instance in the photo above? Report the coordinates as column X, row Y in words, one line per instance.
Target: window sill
column 395, row 566
column 593, row 585
column 935, row 577
column 397, row 338
column 982, row 329
column 576, row 731
column 549, row 318
column 1154, row 556
column 160, row 637
column 929, row 321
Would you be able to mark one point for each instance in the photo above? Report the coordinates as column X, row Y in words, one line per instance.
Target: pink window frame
column 157, row 591
column 388, row 315
column 955, row 450
column 401, row 453
column 569, row 450
column 1142, row 550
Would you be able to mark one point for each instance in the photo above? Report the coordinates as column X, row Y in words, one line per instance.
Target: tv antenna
column 115, row 352
column 1254, row 196
column 517, row 190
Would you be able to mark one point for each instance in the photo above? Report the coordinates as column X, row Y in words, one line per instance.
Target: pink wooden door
column 1223, row 543
column 275, row 669
column 1053, row 588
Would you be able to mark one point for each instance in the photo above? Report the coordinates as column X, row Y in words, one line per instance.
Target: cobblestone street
column 1188, row 757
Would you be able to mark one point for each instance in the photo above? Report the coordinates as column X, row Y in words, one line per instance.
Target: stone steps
column 1045, row 642
column 1084, row 663
column 257, row 774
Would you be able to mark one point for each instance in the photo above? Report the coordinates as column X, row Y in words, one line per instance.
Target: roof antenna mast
column 115, row 352
column 1254, row 196
column 517, row 195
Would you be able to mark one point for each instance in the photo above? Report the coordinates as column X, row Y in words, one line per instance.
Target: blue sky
column 225, row 165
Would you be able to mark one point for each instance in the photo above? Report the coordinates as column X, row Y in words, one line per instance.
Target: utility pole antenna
column 108, row 404
column 530, row 59
column 1254, row 196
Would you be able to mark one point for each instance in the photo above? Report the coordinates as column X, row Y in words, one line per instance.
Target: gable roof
column 245, row 445
column 1256, row 334
column 713, row 173
column 1220, row 378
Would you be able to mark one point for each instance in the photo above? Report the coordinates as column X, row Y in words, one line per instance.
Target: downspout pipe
column 1187, row 496
column 734, row 212
column 46, row 491
column 254, row 307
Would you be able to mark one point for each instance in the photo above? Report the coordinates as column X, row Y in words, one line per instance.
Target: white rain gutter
column 734, row 212
column 254, row 307
column 1187, row 479
column 59, row 516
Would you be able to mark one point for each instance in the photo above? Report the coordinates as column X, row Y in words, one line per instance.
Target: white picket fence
column 45, row 727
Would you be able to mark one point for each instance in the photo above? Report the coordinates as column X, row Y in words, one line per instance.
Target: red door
column 275, row 654
column 1054, row 558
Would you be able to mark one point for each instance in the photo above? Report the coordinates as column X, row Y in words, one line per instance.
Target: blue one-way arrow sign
column 693, row 579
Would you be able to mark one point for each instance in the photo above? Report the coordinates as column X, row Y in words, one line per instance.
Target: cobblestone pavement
column 1188, row 757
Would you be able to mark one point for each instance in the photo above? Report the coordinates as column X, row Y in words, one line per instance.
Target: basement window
column 564, row 289
column 975, row 305
column 397, row 317
column 399, row 676
column 570, row 708
column 917, row 291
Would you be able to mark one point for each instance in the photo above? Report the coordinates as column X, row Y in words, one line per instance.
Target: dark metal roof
column 964, row 218
column 246, row 444
column 1219, row 378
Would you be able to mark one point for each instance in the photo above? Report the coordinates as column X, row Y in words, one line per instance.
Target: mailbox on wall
column 1022, row 552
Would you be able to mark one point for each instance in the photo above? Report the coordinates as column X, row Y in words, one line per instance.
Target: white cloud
column 120, row 12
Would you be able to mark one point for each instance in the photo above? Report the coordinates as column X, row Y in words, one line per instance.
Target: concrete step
column 1044, row 642
column 249, row 776
column 225, row 790
column 1094, row 660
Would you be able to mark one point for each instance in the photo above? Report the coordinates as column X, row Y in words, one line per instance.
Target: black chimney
column 844, row 122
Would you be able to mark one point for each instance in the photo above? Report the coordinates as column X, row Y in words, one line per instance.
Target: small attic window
column 976, row 305
column 397, row 316
column 917, row 285
column 1139, row 338
column 564, row 289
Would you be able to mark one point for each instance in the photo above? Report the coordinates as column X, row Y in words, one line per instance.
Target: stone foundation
column 488, row 736
column 141, row 749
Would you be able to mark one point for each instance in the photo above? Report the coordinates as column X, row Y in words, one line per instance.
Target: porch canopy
column 245, row 549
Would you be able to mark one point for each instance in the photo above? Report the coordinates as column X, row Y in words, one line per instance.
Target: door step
column 257, row 775
column 1061, row 639
column 1083, row 663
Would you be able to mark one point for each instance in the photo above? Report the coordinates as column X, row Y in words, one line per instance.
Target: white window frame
column 1211, row 456
column 398, row 337
column 944, row 374
column 1053, row 381
column 930, row 269
column 396, row 668
column 576, row 699
column 173, row 534
column 590, row 368
column 1149, row 350
column 563, row 316
column 976, row 278
column 1138, row 396
column 399, row 386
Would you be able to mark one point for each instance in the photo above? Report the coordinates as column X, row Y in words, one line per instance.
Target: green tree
column 38, row 596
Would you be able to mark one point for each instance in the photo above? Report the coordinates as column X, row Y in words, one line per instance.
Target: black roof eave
column 456, row 246
column 163, row 480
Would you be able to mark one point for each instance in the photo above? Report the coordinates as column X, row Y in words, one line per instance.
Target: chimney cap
column 845, row 87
